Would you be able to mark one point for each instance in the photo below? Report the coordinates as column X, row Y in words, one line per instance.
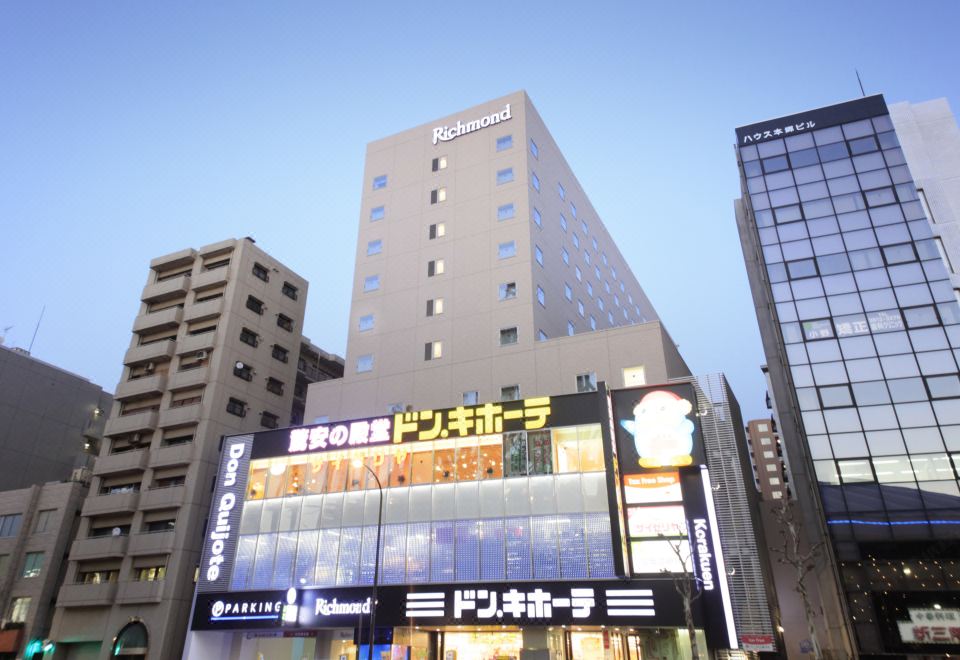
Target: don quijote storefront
column 552, row 527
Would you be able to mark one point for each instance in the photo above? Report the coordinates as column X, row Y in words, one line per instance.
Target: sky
column 130, row 130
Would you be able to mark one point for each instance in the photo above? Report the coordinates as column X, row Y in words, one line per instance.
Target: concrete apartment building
column 51, row 421
column 766, row 457
column 37, row 526
column 848, row 226
column 483, row 273
column 214, row 351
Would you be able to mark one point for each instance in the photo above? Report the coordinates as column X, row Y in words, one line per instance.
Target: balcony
column 138, row 422
column 151, row 543
column 194, row 343
column 100, row 547
column 204, row 310
column 189, row 378
column 180, row 416
column 170, row 317
column 128, row 461
column 181, row 454
column 142, row 591
column 167, row 289
column 82, row 595
column 211, row 278
column 158, row 351
column 137, row 387
column 116, row 503
column 162, row 498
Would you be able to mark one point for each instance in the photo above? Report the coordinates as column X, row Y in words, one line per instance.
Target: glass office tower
column 861, row 326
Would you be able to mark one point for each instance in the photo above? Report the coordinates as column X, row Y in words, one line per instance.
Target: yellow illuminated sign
column 463, row 421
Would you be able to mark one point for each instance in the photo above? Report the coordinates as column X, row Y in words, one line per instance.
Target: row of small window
column 256, row 305
column 245, row 372
column 920, row 414
column 43, row 523
column 32, row 565
column 833, row 135
column 878, row 392
column 831, row 259
column 893, row 469
column 875, row 294
column 261, row 272
column 880, row 205
column 845, row 326
column 883, row 442
column 929, row 346
column 521, row 548
column 824, row 154
column 909, row 365
column 865, row 164
column 139, row 574
column 268, row 420
column 251, row 338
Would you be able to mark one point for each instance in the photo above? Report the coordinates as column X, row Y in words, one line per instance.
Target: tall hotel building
column 848, row 222
column 214, row 351
column 490, row 306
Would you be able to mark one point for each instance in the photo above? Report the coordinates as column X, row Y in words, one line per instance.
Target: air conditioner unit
column 201, row 355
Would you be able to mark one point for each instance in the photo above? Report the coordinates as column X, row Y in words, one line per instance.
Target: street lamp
column 358, row 463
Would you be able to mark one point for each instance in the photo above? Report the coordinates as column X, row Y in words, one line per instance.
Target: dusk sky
column 129, row 130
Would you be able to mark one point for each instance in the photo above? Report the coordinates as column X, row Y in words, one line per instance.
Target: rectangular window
column 504, row 176
column 438, row 230
column 504, row 142
column 541, row 297
column 535, row 181
column 43, row 521
column 255, row 305
column 374, row 247
column 510, row 393
column 289, row 291
column 268, row 420
column 508, row 336
column 380, row 182
column 435, row 267
column 249, row 337
column 587, row 382
column 561, row 191
column 10, row 524
column 261, row 272
column 439, row 164
column 575, row 239
column 593, row 323
column 563, row 222
column 371, row 283
column 573, row 210
column 280, row 353
column 364, row 363
column 580, row 307
column 541, row 335
column 578, row 273
column 508, row 290
column 634, row 376
column 244, row 371
column 237, row 407
column 433, row 350
column 435, row 307
column 537, row 218
column 150, row 573
column 19, row 609
column 538, row 254
column 505, row 212
column 534, row 149
column 377, row 213
column 471, row 398
column 565, row 256
column 32, row 563
column 507, row 250
column 571, row 329
column 275, row 386
column 567, row 292
column 285, row 322
column 438, row 195
column 365, row 323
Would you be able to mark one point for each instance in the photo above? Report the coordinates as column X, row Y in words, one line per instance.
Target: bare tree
column 685, row 584
column 803, row 562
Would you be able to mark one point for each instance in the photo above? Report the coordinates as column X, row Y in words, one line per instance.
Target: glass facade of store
column 869, row 326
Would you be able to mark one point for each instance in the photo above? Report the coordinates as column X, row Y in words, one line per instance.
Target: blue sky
column 130, row 129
